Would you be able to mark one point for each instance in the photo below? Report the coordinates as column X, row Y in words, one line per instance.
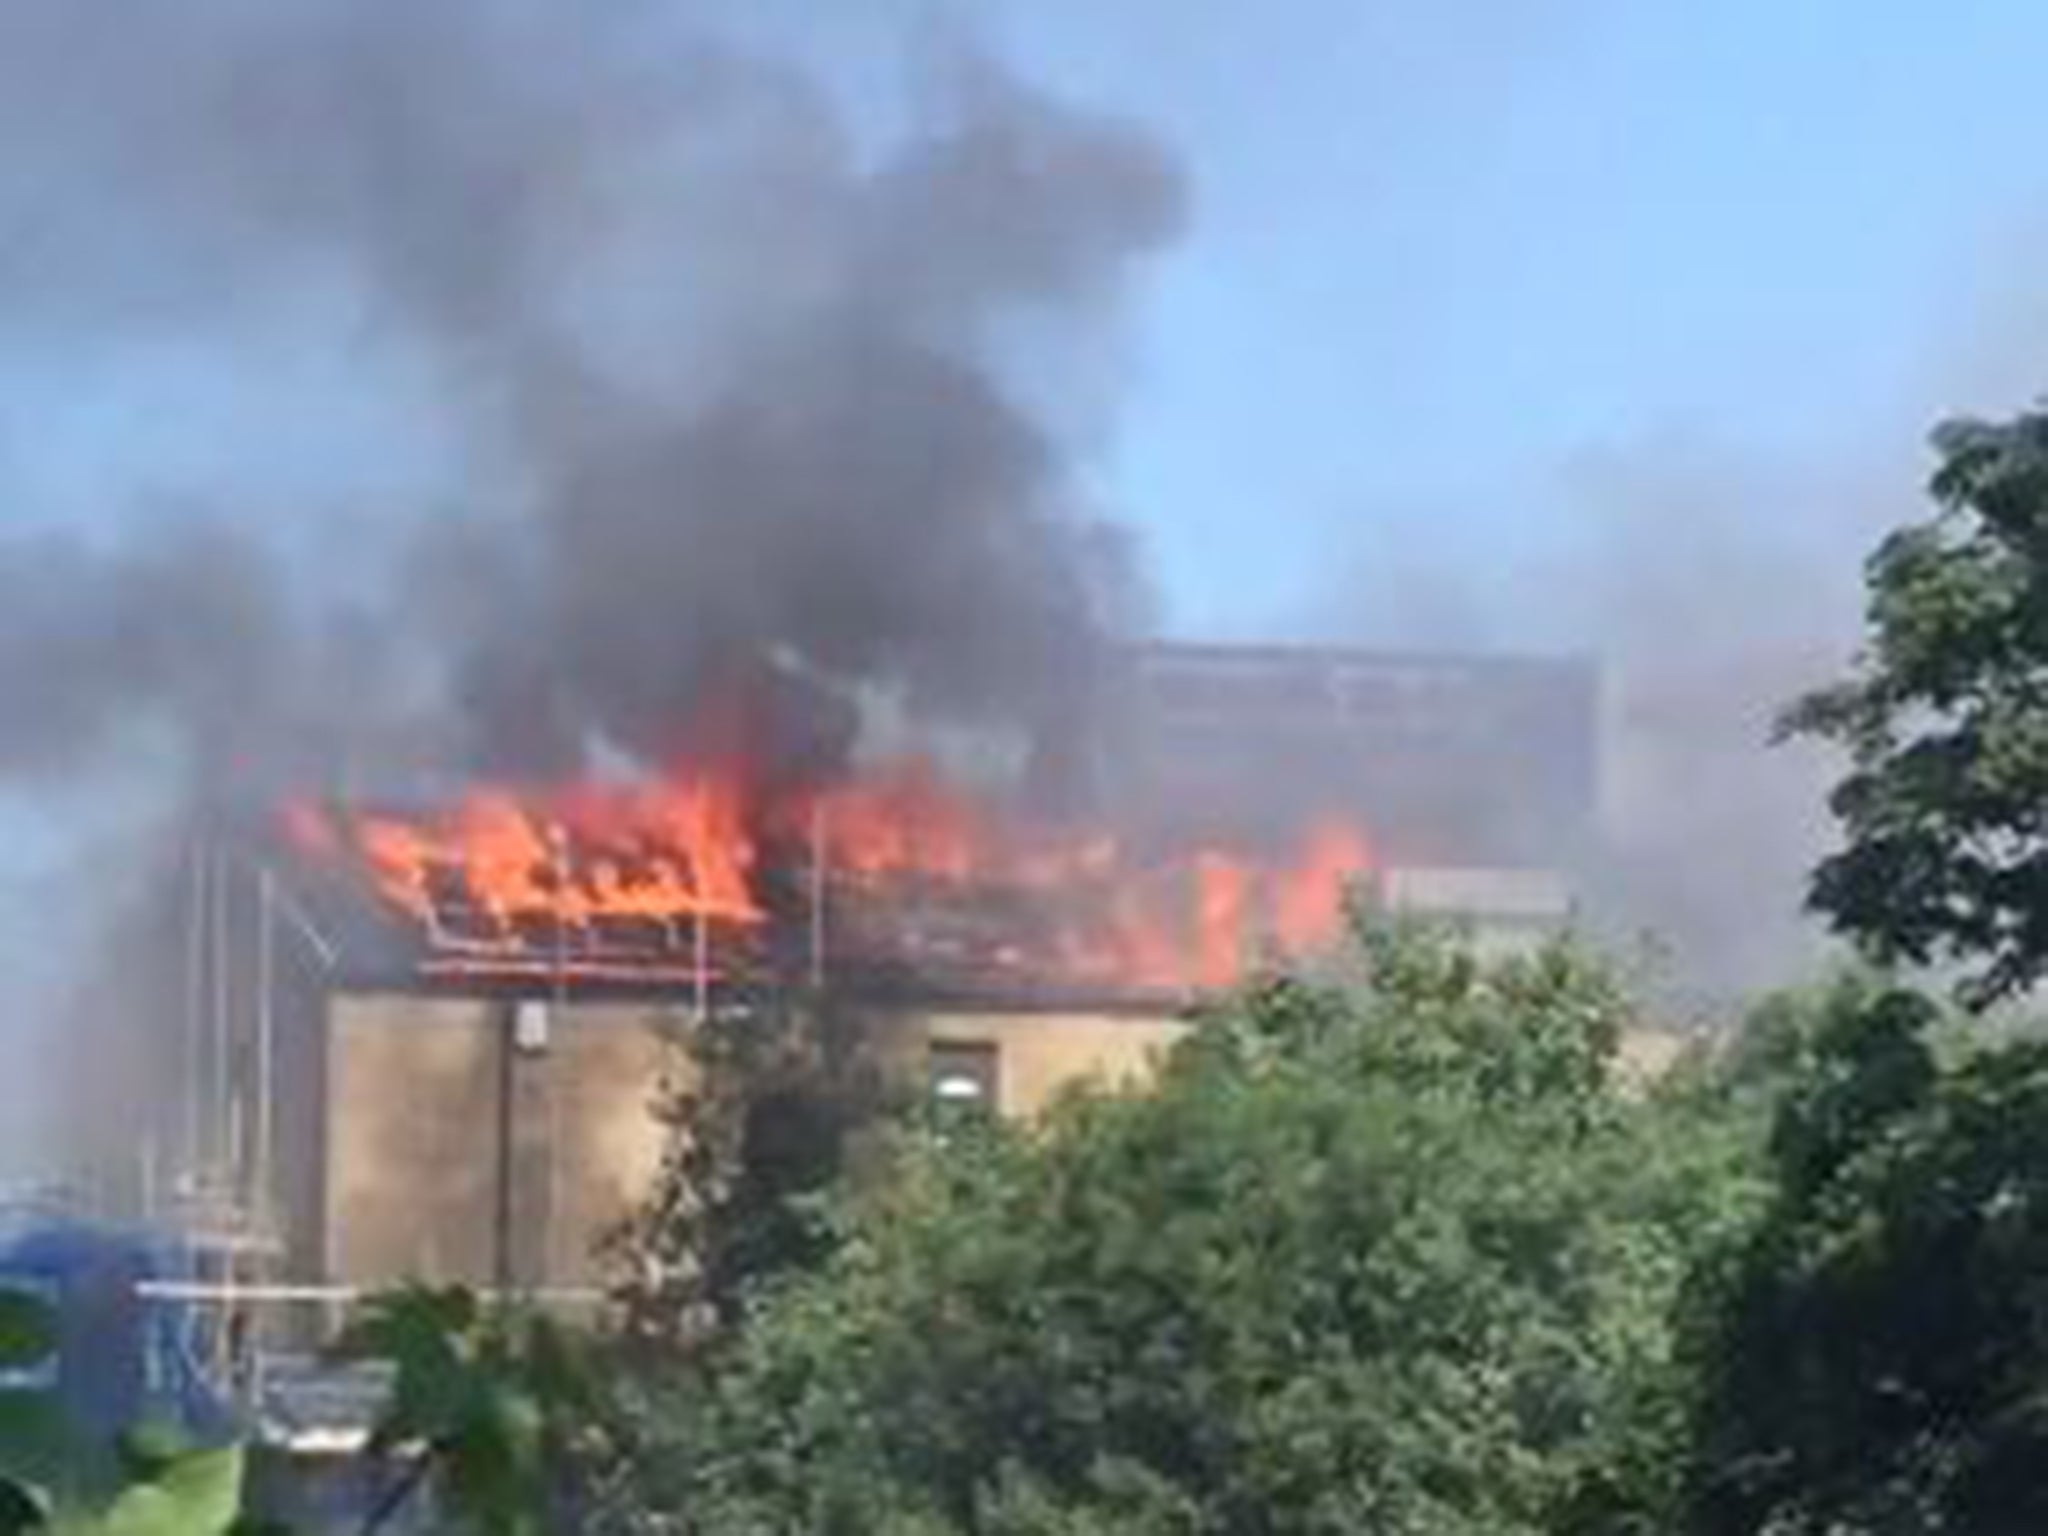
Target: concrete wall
column 422, row 1182
column 421, row 1178
column 1037, row 1054
column 1498, row 912
column 411, row 1133
column 417, row 1166
column 612, row 1063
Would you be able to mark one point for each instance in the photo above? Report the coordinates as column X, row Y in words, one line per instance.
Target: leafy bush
column 492, row 1409
column 1398, row 1256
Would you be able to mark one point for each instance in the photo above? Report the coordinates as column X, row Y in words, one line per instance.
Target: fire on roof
column 700, row 876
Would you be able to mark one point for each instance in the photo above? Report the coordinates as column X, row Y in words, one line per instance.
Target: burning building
column 428, row 1035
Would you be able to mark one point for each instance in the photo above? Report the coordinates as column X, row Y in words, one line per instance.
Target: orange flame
column 687, row 851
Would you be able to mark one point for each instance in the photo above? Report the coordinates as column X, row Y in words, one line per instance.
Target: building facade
column 391, row 1120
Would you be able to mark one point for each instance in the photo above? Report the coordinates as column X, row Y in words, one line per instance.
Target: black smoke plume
column 706, row 369
column 724, row 376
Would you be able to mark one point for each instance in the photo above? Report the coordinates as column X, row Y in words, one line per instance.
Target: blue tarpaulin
column 122, row 1359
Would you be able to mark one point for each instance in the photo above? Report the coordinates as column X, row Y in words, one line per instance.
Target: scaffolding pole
column 193, row 1093
column 700, row 962
column 261, row 1196
column 221, row 1113
column 817, row 883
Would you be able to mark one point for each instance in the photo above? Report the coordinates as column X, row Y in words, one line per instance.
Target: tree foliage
column 1874, row 1361
column 1393, row 1257
column 1944, row 808
column 761, row 1119
column 492, row 1409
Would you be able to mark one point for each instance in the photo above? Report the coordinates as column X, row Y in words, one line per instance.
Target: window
column 962, row 1078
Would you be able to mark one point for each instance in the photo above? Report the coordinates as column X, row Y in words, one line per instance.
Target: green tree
column 762, row 1118
column 1396, row 1256
column 494, row 1411
column 1873, row 1361
column 1944, row 808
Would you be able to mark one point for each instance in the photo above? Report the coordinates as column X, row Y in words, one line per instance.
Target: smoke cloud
column 590, row 370
column 722, row 377
column 1713, row 581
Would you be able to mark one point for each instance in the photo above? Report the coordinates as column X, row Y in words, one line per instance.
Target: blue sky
column 1441, row 249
